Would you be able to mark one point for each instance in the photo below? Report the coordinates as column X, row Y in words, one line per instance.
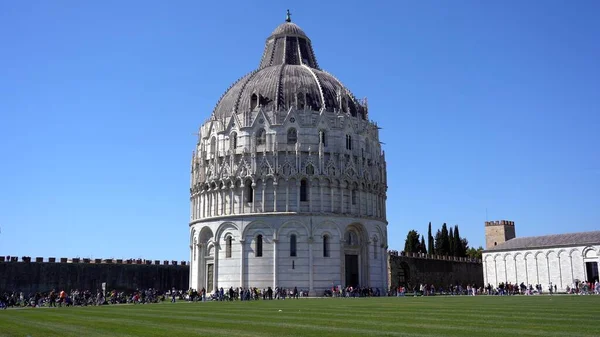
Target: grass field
column 409, row 316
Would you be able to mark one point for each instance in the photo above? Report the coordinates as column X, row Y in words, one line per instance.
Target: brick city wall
column 412, row 269
column 39, row 275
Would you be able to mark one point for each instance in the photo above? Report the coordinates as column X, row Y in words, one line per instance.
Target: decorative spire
column 288, row 17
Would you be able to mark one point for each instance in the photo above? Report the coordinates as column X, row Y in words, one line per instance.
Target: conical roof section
column 288, row 44
column 288, row 77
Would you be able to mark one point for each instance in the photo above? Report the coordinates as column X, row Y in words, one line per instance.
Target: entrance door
column 209, row 278
column 351, row 270
column 592, row 271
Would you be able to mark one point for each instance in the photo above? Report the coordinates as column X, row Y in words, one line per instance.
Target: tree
column 445, row 244
column 474, row 253
column 430, row 244
column 422, row 246
column 451, row 251
column 464, row 246
column 438, row 242
column 458, row 244
column 411, row 245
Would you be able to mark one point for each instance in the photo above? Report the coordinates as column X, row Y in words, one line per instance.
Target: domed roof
column 288, row 76
column 288, row 28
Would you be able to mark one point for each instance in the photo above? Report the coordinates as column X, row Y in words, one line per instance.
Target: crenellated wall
column 40, row 275
column 413, row 269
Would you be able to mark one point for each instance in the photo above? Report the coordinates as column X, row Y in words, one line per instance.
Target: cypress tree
column 458, row 244
column 451, row 242
column 430, row 244
column 411, row 245
column 445, row 244
column 438, row 242
column 423, row 248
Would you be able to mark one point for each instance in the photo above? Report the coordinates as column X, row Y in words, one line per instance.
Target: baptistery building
column 288, row 180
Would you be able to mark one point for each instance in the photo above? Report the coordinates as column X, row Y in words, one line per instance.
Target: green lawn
column 421, row 316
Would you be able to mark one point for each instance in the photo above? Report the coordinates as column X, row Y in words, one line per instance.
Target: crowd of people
column 83, row 298
column 86, row 297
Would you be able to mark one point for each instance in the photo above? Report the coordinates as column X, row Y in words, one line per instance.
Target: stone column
column 321, row 206
column 201, row 265
column 241, row 200
column 311, row 291
column 192, row 208
column 262, row 202
column 231, row 199
column 342, row 197
column 275, row 246
column 331, row 196
column 559, row 270
column 298, row 196
column 287, row 195
column 193, row 263
column 275, row 185
column 253, row 210
column 242, row 261
column 216, row 267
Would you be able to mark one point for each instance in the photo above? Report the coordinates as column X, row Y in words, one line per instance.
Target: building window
column 293, row 245
column 233, row 141
column 259, row 244
column 253, row 101
column 348, row 142
column 303, row 190
column 354, row 197
column 228, row 246
column 322, row 138
column 213, row 145
column 292, row 136
column 261, row 137
column 249, row 192
column 325, row 246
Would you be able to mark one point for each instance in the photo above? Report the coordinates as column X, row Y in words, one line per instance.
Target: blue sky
column 484, row 105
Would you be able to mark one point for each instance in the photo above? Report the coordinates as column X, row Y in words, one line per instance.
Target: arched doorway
column 355, row 256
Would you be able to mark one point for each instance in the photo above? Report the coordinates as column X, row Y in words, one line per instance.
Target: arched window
column 325, row 246
column 303, row 190
column 233, row 141
column 292, row 136
column 354, row 197
column 249, row 191
column 367, row 146
column 293, row 245
column 310, row 170
column 322, row 138
column 253, row 101
column 259, row 244
column 213, row 145
column 261, row 137
column 228, row 242
column 348, row 142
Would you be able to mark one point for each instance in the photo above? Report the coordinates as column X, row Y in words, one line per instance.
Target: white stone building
column 288, row 180
column 561, row 259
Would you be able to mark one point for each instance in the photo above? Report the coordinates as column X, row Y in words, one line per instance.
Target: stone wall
column 412, row 269
column 33, row 275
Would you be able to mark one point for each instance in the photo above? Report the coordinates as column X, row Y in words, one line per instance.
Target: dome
column 289, row 28
column 288, row 76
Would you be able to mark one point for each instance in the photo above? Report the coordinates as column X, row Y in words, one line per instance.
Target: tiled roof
column 549, row 241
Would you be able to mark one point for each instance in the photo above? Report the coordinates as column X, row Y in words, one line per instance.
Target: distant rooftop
column 549, row 241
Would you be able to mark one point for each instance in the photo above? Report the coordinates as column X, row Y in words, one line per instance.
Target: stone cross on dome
column 288, row 17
